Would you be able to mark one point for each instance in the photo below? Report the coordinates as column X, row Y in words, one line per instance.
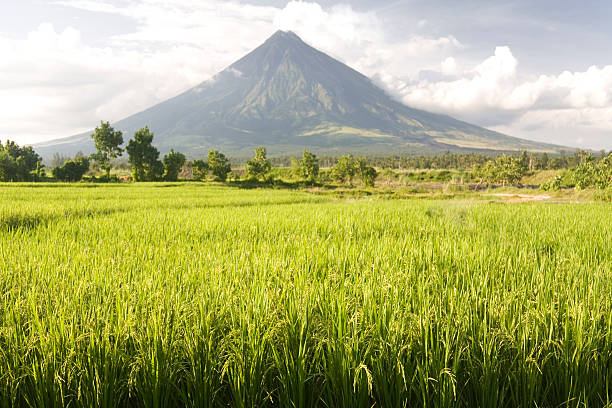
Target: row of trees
column 466, row 161
column 590, row 172
column 23, row 164
column 146, row 166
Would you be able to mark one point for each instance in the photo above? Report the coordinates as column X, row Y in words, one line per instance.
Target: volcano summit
column 287, row 96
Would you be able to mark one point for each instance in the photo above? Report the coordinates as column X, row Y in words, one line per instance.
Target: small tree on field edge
column 199, row 168
column 308, row 167
column 345, row 169
column 173, row 163
column 107, row 141
column 259, row 166
column 144, row 157
column 218, row 164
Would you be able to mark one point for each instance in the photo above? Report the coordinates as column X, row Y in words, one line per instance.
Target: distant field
column 199, row 295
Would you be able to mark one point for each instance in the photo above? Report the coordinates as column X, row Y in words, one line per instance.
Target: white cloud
column 495, row 94
column 448, row 66
column 54, row 83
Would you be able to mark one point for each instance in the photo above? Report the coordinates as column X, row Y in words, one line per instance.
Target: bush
column 553, row 185
column 71, row 170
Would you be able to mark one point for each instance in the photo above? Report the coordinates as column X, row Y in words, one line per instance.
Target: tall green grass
column 191, row 295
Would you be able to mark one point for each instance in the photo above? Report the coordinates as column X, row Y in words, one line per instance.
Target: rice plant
column 196, row 295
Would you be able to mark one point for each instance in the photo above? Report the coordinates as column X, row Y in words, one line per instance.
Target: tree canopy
column 144, row 157
column 72, row 169
column 18, row 163
column 199, row 168
column 173, row 163
column 259, row 166
column 219, row 164
column 307, row 167
column 107, row 141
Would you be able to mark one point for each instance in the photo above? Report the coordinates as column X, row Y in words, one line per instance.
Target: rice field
column 196, row 295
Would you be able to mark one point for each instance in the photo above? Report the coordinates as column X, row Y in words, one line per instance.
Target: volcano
column 288, row 96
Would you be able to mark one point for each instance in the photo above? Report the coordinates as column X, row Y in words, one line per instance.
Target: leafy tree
column 308, row 167
column 173, row 162
column 259, row 166
column 72, row 170
column 219, row 164
column 584, row 175
column 509, row 169
column 18, row 163
column 345, row 169
column 544, row 161
column 144, row 157
column 524, row 160
column 8, row 167
column 504, row 169
column 604, row 172
column 590, row 173
column 367, row 173
column 107, row 141
column 199, row 168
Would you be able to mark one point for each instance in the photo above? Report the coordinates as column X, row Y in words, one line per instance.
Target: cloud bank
column 493, row 94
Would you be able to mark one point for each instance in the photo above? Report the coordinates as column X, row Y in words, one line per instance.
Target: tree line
column 467, row 161
column 143, row 157
column 24, row 164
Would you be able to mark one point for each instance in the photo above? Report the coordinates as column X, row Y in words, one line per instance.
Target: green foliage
column 173, row 163
column 368, row 176
column 307, row 167
column 71, row 170
column 553, row 185
column 592, row 173
column 504, row 169
column 345, row 169
column 8, row 167
column 144, row 157
column 348, row 167
column 209, row 296
column 219, row 165
column 367, row 173
column 18, row 163
column 259, row 166
column 107, row 141
column 199, row 168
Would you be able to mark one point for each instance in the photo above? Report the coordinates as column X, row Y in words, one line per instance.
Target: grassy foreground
column 193, row 295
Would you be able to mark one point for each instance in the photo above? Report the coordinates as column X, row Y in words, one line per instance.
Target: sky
column 541, row 70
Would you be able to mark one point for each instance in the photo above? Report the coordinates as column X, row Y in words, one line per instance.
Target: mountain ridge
column 287, row 96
